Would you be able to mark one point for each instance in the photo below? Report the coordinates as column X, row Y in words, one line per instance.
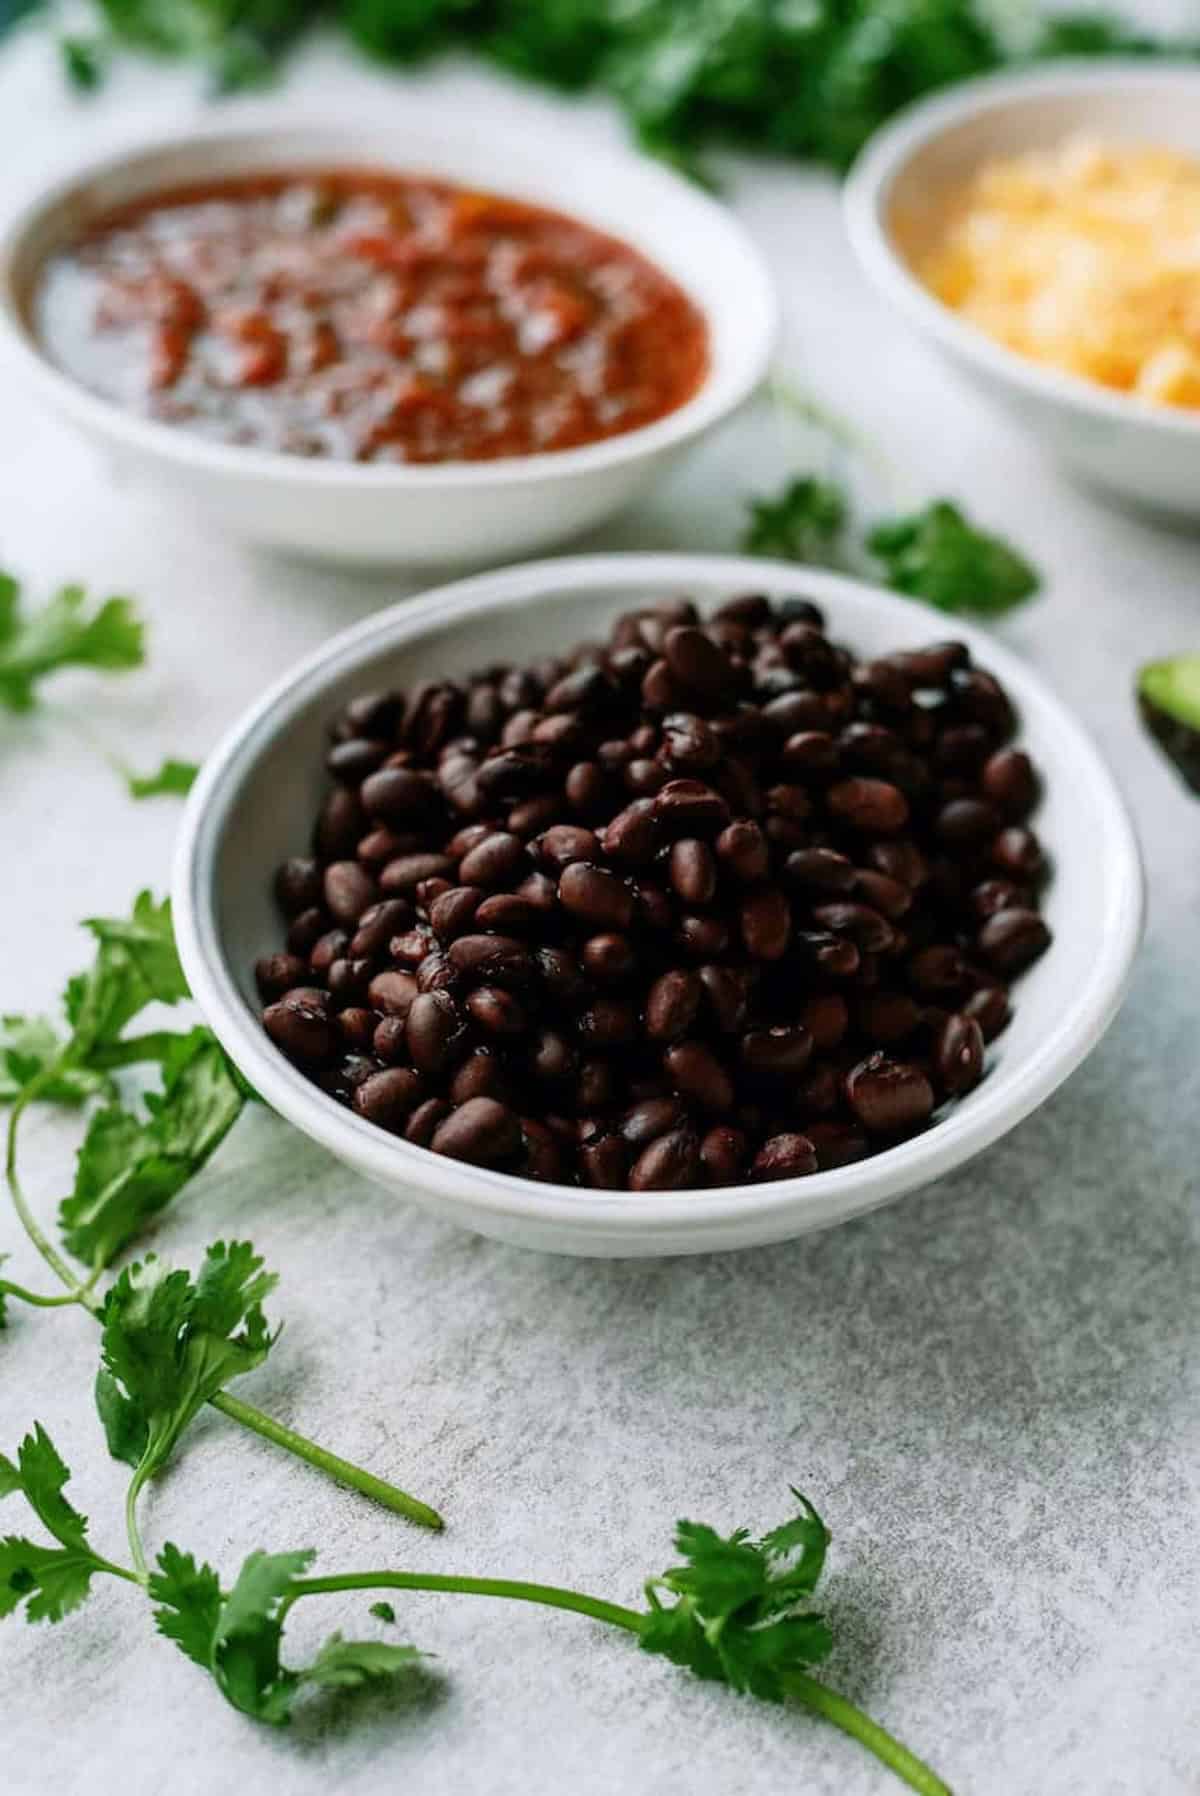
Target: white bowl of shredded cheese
column 1043, row 231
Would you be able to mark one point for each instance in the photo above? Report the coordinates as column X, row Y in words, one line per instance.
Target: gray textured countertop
column 991, row 1389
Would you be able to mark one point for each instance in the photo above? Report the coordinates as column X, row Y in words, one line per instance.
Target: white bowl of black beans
column 698, row 936
column 204, row 338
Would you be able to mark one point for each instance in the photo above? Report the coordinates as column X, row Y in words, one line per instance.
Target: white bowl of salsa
column 395, row 343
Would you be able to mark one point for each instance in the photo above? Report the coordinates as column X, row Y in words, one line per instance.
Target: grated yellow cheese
column 1085, row 257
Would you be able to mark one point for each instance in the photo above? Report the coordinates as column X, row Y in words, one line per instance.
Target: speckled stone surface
column 991, row 1389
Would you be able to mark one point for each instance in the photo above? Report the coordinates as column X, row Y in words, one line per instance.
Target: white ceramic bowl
column 256, row 798
column 452, row 512
column 1142, row 452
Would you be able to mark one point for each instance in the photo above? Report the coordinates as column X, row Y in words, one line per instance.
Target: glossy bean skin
column 706, row 904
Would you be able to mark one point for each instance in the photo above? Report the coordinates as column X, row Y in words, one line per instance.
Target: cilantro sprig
column 735, row 1610
column 62, row 633
column 935, row 554
column 139, row 1151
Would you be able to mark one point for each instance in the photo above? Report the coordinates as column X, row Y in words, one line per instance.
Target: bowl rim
column 723, row 387
column 874, row 173
column 998, row 1105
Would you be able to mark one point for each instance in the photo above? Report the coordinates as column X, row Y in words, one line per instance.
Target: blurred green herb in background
column 808, row 78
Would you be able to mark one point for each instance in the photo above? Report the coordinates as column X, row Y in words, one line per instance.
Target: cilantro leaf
column 29, row 1045
column 382, row 1612
column 129, row 1168
column 190, row 1596
column 174, row 779
column 136, row 964
column 346, row 1663
column 937, row 555
column 82, row 61
column 238, row 1637
column 804, row 523
column 61, row 634
column 740, row 1616
column 50, row 1581
column 169, row 1344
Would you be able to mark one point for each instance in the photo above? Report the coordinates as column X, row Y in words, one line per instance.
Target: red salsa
column 370, row 317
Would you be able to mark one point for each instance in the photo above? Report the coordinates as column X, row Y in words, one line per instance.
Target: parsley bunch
column 935, row 554
column 138, row 1153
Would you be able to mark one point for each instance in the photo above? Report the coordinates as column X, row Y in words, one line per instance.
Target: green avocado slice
column 1169, row 700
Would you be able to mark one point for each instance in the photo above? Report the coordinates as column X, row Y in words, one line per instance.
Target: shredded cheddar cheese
column 1085, row 257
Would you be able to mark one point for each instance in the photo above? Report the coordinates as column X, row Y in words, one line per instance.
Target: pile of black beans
column 708, row 903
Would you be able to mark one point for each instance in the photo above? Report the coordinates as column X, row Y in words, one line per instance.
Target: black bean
column 567, row 842
column 696, row 1074
column 598, row 897
column 685, row 805
column 340, row 823
column 406, row 873
column 1018, row 853
column 827, row 1019
column 389, row 1097
column 874, row 806
column 693, row 870
column 377, row 925
column 632, row 836
column 786, row 1156
column 670, row 1163
column 298, row 885
column 836, row 1144
column 603, row 1163
column 672, row 1004
column 305, row 931
column 819, row 870
column 496, row 1011
column 494, row 861
column 326, row 949
column 958, row 1054
column 433, row 1030
column 644, row 1122
column 889, row 1097
column 781, row 1052
column 480, row 1075
column 400, row 795
column 1011, row 940
column 723, row 1155
column 865, row 927
column 989, row 1008
column 481, row 1132
column 609, row 958
column 275, row 974
column 299, row 1024
column 496, row 959
column 1010, row 782
column 765, row 918
column 697, row 663
column 743, row 849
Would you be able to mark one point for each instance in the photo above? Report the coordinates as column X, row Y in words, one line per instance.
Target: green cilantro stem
column 37, row 1298
column 133, row 1532
column 844, row 1714
column 550, row 1596
column 342, row 1471
column 806, row 1690
column 41, row 1242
